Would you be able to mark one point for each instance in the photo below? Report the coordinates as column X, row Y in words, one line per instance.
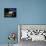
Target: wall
column 28, row 12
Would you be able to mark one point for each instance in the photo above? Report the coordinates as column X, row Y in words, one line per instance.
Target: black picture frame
column 10, row 12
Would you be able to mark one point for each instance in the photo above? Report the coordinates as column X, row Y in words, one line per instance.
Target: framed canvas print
column 9, row 12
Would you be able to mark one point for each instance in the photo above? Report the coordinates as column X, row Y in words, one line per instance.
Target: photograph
column 9, row 12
